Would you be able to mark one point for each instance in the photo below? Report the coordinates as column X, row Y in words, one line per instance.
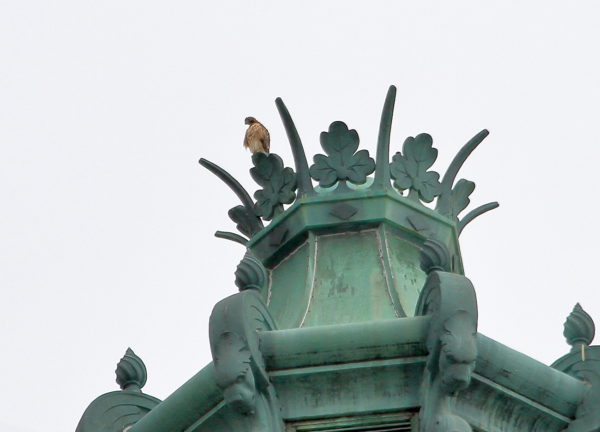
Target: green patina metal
column 354, row 313
column 349, row 249
column 583, row 362
column 119, row 409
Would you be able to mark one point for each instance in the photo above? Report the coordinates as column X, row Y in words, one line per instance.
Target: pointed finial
column 435, row 257
column 131, row 372
column 250, row 273
column 579, row 328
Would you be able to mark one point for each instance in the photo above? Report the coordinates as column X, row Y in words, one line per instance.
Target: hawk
column 257, row 137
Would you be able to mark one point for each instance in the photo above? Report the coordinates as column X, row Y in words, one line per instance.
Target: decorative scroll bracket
column 452, row 343
column 239, row 364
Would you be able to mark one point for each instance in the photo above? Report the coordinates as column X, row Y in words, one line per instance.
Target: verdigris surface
column 117, row 411
column 354, row 313
column 451, row 341
column 367, row 231
column 240, row 370
column 583, row 362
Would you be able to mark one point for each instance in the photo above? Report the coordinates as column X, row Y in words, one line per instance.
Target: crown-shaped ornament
column 348, row 202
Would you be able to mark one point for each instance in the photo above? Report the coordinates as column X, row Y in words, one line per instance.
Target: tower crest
column 348, row 212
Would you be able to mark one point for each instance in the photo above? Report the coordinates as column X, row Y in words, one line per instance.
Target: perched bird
column 257, row 137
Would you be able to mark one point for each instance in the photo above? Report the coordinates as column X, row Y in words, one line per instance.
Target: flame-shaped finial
column 250, row 273
column 579, row 327
column 435, row 256
column 131, row 372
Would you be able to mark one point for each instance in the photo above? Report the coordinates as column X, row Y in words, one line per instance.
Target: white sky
column 106, row 219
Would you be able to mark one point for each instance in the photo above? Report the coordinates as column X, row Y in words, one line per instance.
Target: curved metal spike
column 231, row 236
column 305, row 186
column 382, row 164
column 460, row 158
column 233, row 184
column 474, row 213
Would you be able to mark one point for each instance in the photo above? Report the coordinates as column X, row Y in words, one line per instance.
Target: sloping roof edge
column 506, row 371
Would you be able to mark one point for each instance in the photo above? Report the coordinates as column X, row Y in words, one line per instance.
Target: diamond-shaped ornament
column 343, row 211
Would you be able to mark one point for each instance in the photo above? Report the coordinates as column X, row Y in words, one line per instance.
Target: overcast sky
column 107, row 220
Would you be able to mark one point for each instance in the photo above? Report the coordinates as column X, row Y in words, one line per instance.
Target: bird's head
column 249, row 120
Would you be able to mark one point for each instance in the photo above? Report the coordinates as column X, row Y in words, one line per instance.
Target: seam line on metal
column 314, row 249
column 347, row 366
column 522, row 398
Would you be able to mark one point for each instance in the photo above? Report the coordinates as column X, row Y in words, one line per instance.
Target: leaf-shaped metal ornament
column 341, row 162
column 409, row 168
column 278, row 184
column 246, row 222
column 459, row 198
